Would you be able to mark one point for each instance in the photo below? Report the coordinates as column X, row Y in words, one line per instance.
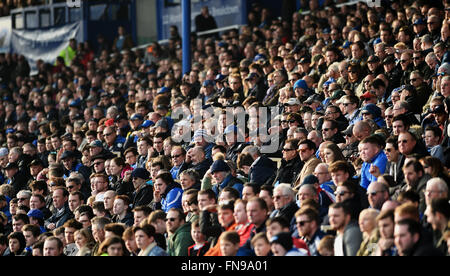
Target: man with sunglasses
column 71, row 164
column 407, row 67
column 418, row 59
column 143, row 193
column 308, row 226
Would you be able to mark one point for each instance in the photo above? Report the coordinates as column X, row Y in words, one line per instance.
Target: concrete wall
column 146, row 21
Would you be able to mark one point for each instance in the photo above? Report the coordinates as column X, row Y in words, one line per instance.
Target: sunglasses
column 170, row 219
column 22, row 198
column 288, row 149
column 292, row 121
column 403, row 60
column 416, row 58
column 176, row 156
column 341, row 193
column 301, row 223
column 326, row 129
column 107, row 134
column 413, row 80
column 70, row 187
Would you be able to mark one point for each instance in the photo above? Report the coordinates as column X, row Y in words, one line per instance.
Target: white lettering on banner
column 73, row 3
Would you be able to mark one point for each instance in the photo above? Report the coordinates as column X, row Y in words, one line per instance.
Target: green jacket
column 178, row 243
column 68, row 54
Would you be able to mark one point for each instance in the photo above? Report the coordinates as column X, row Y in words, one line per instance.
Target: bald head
column 361, row 130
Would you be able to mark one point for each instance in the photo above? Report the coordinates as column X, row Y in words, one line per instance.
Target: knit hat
column 284, row 239
column 300, row 84
column 219, row 166
column 140, row 173
column 310, row 179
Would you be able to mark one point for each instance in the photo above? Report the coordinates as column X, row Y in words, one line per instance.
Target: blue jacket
column 229, row 181
column 380, row 160
column 171, row 198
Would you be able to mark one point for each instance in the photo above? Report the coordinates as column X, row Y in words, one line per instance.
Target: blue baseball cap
column 136, row 116
column 163, row 90
column 35, row 213
column 372, row 109
column 147, row 123
column 419, row 21
column 208, row 83
column 300, row 84
column 259, row 57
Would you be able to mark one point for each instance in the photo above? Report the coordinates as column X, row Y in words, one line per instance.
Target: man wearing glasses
column 434, row 28
column 308, row 226
column 178, row 155
column 407, row 67
column 143, row 193
column 113, row 142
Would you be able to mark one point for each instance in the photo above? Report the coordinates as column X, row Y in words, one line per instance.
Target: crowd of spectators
column 318, row 134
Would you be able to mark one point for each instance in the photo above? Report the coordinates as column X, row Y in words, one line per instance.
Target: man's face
column 100, row 184
column 85, row 221
column 403, row 239
column 398, row 127
column 74, row 202
column 225, row 217
column 247, row 193
column 433, row 191
column 108, row 200
column 51, row 248
column 255, row 213
column 445, row 87
column 391, row 152
column 279, row 199
column 337, row 218
column 376, row 196
column 142, row 148
column 289, row 152
column 305, row 152
column 139, row 216
column 29, row 238
column 59, row 199
column 304, row 194
column 386, row 228
column 69, row 234
column 304, row 225
column 339, row 176
column 321, row 172
column 173, row 222
column 35, row 203
column 219, row 176
column 177, row 157
column 142, row 240
column 273, row 229
column 411, row 177
column 405, row 143
column 368, row 151
column 119, row 207
column 327, row 131
column 17, row 225
column 204, row 201
column 98, row 233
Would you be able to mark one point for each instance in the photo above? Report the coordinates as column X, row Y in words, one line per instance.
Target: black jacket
column 143, row 196
column 128, row 220
column 288, row 211
column 262, row 170
column 59, row 218
column 289, row 170
column 202, row 167
column 121, row 187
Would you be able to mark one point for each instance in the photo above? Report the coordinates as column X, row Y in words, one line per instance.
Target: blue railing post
column 186, row 29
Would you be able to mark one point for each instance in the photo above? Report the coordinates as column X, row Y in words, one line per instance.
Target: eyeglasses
column 326, row 129
column 70, row 187
column 341, row 193
column 170, row 219
column 22, row 198
column 292, row 121
column 404, row 60
column 277, row 197
column 287, row 149
column 388, row 150
column 374, row 193
column 301, row 223
column 413, row 80
column 330, row 112
column 416, row 58
column 107, row 134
